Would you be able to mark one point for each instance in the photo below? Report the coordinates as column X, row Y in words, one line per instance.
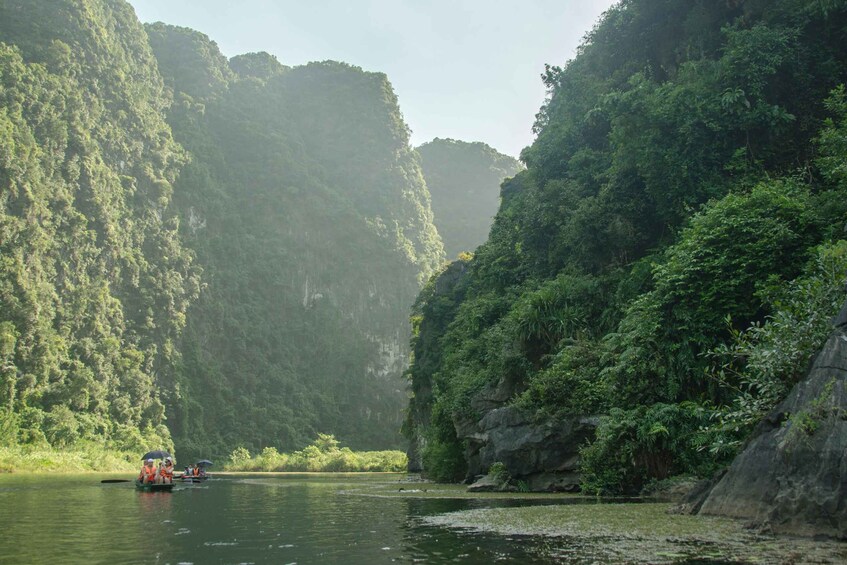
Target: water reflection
column 252, row 519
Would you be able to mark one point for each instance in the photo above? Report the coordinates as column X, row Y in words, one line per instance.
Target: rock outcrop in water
column 792, row 476
column 545, row 456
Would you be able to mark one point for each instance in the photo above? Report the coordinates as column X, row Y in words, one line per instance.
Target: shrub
column 238, row 457
column 444, row 462
column 761, row 364
column 635, row 446
column 323, row 455
column 499, row 473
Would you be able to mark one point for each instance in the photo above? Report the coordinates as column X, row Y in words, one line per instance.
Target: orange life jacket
column 168, row 472
column 147, row 474
column 196, row 471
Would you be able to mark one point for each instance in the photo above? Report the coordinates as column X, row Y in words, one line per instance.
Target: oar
column 116, row 481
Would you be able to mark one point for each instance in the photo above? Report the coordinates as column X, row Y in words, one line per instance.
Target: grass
column 29, row 459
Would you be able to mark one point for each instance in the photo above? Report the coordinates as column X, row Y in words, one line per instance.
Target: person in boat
column 166, row 471
column 196, row 471
column 148, row 472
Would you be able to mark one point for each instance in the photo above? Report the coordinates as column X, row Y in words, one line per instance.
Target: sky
column 462, row 69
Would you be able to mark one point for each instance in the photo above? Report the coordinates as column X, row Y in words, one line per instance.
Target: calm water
column 321, row 519
column 236, row 519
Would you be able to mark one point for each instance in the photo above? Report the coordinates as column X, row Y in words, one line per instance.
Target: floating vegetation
column 405, row 488
column 639, row 533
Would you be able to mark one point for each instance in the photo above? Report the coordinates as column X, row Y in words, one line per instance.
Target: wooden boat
column 152, row 487
column 193, row 478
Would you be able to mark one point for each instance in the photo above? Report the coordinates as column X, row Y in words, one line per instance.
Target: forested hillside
column 219, row 251
column 309, row 215
column 94, row 280
column 672, row 255
column 464, row 183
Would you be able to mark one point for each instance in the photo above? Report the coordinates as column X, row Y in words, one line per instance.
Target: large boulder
column 544, row 455
column 792, row 476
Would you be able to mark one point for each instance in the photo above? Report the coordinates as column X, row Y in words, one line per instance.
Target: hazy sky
column 465, row 69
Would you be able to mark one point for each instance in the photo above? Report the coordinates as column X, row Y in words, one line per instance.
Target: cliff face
column 791, row 477
column 94, row 279
column 142, row 172
column 310, row 217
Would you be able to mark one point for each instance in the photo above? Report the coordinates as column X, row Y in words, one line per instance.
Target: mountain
column 464, row 183
column 307, row 210
column 662, row 272
column 197, row 252
column 95, row 281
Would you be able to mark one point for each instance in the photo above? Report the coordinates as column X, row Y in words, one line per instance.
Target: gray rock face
column 545, row 455
column 485, row 484
column 792, row 476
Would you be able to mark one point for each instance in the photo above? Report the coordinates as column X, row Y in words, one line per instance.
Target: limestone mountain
column 666, row 265
column 310, row 218
column 464, row 183
column 222, row 251
column 94, row 278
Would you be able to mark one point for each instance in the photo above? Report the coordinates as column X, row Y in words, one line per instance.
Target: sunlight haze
column 466, row 70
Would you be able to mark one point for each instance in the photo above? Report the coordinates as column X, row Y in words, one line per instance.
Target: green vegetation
column 464, row 184
column 673, row 253
column 198, row 253
column 94, row 280
column 82, row 457
column 637, row 533
column 323, row 455
column 307, row 210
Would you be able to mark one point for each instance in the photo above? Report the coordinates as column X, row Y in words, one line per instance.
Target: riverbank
column 19, row 459
column 325, row 454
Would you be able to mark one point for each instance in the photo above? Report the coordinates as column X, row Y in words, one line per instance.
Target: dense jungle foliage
column 464, row 184
column 308, row 212
column 194, row 252
column 674, row 252
column 94, row 280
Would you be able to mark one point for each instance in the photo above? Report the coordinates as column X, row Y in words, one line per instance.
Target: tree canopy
column 197, row 252
column 684, row 173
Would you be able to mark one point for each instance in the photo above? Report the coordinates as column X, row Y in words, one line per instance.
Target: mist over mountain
column 464, row 179
column 308, row 212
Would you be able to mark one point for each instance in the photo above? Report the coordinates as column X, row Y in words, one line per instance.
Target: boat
column 192, row 478
column 148, row 471
column 153, row 487
column 189, row 477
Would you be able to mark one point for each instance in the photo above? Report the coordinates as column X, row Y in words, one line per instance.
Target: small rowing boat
column 193, row 478
column 153, row 487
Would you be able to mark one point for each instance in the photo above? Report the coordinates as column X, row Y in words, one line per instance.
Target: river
column 286, row 519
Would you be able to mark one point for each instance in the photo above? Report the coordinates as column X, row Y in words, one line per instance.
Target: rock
column 791, row 477
column 692, row 501
column 560, row 481
column 486, row 483
column 545, row 455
